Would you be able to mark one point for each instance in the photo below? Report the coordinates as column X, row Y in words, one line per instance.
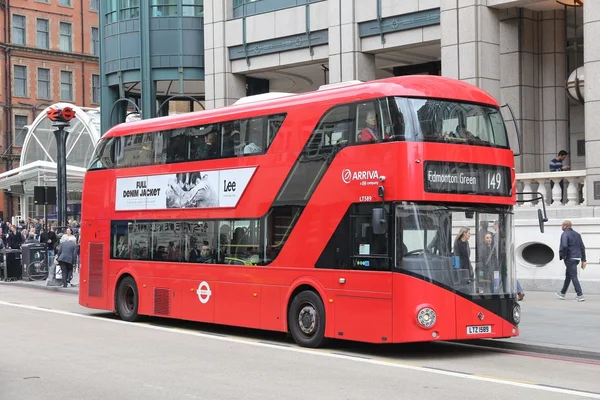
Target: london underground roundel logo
column 346, row 175
column 203, row 292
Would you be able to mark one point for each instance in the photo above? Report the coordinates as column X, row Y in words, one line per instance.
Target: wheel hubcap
column 307, row 319
column 129, row 299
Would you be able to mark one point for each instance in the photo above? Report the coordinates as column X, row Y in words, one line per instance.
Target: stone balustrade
column 549, row 185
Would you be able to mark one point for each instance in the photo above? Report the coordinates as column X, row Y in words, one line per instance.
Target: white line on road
column 321, row 353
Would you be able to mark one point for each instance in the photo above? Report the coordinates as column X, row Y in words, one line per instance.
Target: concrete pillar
column 471, row 43
column 591, row 30
column 552, row 95
column 516, row 79
column 346, row 61
column 221, row 86
column 148, row 83
column 532, row 47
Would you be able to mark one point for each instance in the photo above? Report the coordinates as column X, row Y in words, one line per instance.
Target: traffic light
column 65, row 114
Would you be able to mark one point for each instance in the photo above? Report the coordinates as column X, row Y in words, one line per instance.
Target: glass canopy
column 84, row 132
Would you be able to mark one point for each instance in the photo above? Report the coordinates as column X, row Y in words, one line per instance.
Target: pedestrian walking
column 572, row 251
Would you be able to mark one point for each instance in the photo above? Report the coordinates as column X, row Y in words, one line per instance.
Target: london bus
column 378, row 211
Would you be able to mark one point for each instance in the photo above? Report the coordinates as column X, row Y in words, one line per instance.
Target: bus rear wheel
column 306, row 319
column 127, row 300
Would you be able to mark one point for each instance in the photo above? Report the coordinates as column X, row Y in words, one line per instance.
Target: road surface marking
column 324, row 353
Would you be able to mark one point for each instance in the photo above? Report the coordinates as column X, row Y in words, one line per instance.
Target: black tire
column 306, row 319
column 127, row 300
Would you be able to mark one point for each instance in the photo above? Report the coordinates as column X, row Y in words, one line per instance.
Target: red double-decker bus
column 377, row 212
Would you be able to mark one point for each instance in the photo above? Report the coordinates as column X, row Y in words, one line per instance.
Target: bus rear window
column 103, row 155
column 453, row 122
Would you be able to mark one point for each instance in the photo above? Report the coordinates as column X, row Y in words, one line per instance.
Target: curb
column 71, row 290
column 554, row 350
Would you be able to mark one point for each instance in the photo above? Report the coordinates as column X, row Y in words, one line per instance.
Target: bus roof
column 422, row 86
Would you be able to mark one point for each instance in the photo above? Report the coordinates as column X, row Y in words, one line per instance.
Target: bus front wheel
column 127, row 299
column 306, row 319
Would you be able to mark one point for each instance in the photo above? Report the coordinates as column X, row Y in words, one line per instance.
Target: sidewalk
column 74, row 288
column 548, row 325
column 560, row 327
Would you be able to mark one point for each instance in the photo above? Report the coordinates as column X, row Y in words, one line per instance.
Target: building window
column 130, row 9
column 20, row 81
column 18, row 29
column 43, row 33
column 246, row 8
column 95, row 42
column 66, row 3
column 581, row 148
column 43, row 83
column 20, row 133
column 164, row 8
column 66, row 85
column 65, row 37
column 96, row 89
column 94, row 6
column 192, row 8
column 111, row 11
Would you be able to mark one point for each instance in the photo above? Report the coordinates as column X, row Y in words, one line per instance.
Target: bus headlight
column 516, row 313
column 426, row 317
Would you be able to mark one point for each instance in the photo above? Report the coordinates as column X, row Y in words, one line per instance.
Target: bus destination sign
column 462, row 178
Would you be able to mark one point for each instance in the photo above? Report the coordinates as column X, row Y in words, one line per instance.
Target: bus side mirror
column 529, row 197
column 517, row 133
column 378, row 222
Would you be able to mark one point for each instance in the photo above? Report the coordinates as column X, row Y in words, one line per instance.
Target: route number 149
column 494, row 181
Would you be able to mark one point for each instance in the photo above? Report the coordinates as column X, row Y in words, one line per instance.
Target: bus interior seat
column 439, row 269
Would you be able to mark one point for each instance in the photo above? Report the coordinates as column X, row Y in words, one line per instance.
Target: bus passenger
column 254, row 140
column 487, row 263
column 209, row 149
column 463, row 250
column 206, row 255
column 194, row 253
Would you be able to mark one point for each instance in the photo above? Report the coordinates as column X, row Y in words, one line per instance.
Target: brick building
column 48, row 53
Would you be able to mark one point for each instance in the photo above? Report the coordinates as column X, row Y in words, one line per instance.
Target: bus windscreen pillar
column 61, row 118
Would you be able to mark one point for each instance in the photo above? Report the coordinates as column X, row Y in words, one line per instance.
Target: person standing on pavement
column 14, row 238
column 67, row 254
column 572, row 250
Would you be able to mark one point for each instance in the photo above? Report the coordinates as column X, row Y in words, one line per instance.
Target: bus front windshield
column 453, row 122
column 467, row 249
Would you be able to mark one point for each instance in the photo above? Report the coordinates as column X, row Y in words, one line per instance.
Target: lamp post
column 576, row 81
column 61, row 118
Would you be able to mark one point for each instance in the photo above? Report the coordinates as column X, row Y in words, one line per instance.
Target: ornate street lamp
column 575, row 84
column 61, row 119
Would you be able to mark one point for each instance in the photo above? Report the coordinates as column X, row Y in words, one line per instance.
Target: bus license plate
column 476, row 330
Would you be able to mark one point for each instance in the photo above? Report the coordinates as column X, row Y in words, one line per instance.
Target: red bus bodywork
column 369, row 306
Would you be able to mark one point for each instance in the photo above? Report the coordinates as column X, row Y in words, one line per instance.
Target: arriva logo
column 349, row 176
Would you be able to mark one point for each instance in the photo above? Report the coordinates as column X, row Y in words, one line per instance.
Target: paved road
column 55, row 349
column 548, row 325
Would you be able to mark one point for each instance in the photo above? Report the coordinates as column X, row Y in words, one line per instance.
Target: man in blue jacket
column 572, row 250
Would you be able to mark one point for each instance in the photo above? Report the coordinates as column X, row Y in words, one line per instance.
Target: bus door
column 362, row 286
